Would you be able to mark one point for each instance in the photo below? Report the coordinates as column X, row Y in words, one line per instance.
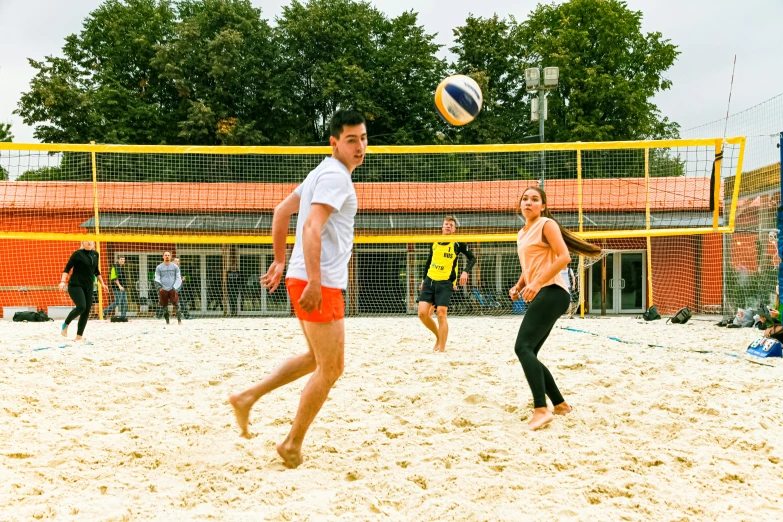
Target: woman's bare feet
column 541, row 417
column 64, row 330
column 242, row 413
column 78, row 338
column 562, row 409
column 291, row 455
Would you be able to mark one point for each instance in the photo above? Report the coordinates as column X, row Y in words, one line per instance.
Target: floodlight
column 532, row 78
column 551, row 75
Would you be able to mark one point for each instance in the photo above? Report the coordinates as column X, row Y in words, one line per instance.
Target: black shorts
column 436, row 292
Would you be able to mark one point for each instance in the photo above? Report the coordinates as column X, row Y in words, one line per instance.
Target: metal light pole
column 538, row 109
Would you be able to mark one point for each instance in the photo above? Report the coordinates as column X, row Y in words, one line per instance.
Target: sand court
column 133, row 424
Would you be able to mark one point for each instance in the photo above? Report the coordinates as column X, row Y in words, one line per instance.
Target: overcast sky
column 707, row 32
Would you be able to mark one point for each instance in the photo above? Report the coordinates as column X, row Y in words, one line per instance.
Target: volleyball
column 458, row 99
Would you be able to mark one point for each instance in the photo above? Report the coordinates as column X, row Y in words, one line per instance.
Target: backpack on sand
column 651, row 314
column 31, row 317
column 682, row 316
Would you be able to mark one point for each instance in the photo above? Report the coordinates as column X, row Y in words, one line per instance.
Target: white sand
column 135, row 425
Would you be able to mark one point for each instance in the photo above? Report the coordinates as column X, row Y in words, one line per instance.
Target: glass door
column 630, row 282
column 382, row 281
column 252, row 297
column 626, row 291
column 595, row 285
column 190, row 291
column 213, row 274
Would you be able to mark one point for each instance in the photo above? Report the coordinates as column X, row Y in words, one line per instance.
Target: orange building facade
column 686, row 270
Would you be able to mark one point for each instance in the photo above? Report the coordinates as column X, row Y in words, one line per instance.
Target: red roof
column 622, row 194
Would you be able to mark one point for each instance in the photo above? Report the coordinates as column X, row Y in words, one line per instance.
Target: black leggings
column 550, row 303
column 82, row 298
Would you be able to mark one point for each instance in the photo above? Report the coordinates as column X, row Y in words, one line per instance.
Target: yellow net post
column 97, row 229
column 737, row 180
column 716, row 189
column 647, row 217
column 581, row 225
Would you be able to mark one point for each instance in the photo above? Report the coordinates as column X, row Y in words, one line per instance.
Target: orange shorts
column 332, row 303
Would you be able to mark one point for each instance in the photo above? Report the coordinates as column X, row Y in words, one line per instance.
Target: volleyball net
column 660, row 210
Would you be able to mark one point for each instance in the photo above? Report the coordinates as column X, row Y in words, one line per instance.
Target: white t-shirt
column 329, row 184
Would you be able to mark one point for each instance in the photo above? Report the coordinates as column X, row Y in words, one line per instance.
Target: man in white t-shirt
column 317, row 275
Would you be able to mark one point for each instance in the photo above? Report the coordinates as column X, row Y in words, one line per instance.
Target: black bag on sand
column 682, row 316
column 651, row 314
column 118, row 319
column 31, row 317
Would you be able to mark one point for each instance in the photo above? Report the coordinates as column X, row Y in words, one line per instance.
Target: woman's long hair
column 574, row 243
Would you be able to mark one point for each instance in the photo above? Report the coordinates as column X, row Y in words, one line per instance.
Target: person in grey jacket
column 168, row 281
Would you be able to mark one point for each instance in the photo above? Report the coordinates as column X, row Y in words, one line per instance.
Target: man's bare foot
column 440, row 348
column 562, row 409
column 242, row 413
column 541, row 417
column 291, row 455
column 437, row 344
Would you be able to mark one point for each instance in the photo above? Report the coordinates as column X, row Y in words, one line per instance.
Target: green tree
column 5, row 133
column 609, row 70
column 348, row 54
column 5, row 136
column 486, row 50
column 223, row 63
column 105, row 88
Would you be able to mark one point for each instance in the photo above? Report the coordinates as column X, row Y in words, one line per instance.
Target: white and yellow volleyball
column 458, row 99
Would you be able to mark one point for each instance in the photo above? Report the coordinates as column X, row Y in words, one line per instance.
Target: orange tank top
column 535, row 254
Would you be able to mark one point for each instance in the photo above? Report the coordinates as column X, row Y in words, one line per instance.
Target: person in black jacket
column 85, row 263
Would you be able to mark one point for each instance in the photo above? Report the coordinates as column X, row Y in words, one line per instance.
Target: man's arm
column 311, row 243
column 280, row 223
column 462, row 248
column 311, row 240
column 281, row 220
column 158, row 283
column 469, row 255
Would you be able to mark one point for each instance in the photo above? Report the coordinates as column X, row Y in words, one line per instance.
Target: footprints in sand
column 474, row 399
column 390, row 434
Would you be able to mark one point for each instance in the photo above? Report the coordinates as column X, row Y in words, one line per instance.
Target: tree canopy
column 215, row 72
column 609, row 72
column 5, row 136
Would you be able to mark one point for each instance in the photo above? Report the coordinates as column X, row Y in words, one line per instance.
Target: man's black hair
column 344, row 118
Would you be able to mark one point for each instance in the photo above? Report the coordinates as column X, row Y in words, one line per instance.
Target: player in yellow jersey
column 440, row 275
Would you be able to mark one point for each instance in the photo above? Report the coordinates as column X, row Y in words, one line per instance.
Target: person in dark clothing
column 234, row 284
column 440, row 279
column 119, row 281
column 85, row 264
column 184, row 292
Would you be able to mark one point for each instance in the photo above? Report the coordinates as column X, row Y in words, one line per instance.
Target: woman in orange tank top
column 543, row 247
